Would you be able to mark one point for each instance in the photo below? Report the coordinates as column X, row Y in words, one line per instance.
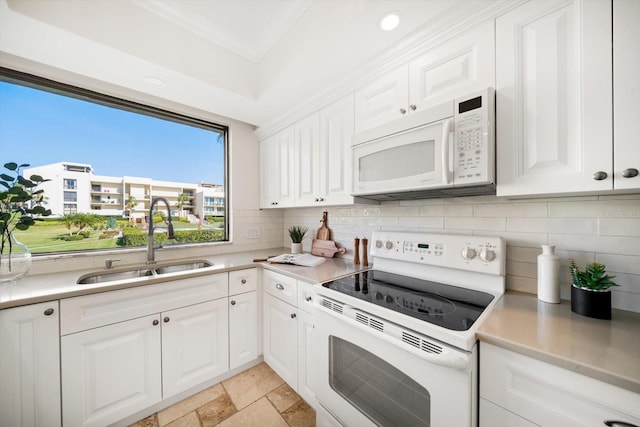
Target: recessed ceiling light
column 390, row 21
column 155, row 81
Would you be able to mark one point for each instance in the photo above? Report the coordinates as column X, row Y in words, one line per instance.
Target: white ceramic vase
column 296, row 248
column 549, row 275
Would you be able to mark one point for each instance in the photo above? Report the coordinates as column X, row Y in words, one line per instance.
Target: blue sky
column 38, row 128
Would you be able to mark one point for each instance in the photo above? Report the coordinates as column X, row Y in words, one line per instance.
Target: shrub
column 72, row 237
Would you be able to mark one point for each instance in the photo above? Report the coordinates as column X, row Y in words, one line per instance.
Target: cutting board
column 326, row 248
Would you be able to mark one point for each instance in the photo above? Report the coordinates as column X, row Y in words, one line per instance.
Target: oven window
column 378, row 390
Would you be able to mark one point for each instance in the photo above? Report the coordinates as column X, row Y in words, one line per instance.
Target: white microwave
column 444, row 151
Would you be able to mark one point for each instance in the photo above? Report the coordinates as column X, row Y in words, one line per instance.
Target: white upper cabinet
column 277, row 170
column 626, row 93
column 454, row 68
column 383, row 100
column 307, row 159
column 336, row 130
column 451, row 69
column 554, row 98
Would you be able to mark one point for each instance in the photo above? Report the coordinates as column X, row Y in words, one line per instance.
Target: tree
column 182, row 200
column 131, row 203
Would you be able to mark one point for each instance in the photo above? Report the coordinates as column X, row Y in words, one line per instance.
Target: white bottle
column 548, row 275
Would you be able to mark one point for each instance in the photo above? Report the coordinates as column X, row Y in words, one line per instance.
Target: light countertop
column 47, row 287
column 607, row 350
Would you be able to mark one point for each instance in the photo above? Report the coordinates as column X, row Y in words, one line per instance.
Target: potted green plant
column 20, row 207
column 297, row 233
column 590, row 294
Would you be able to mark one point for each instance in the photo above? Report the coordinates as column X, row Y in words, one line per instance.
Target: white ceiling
column 250, row 60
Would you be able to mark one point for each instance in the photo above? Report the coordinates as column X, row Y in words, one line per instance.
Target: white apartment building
column 73, row 188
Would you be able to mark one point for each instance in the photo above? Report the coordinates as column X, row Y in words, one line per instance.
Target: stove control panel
column 465, row 252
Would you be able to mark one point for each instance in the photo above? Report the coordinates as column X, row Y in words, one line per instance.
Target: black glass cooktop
column 451, row 307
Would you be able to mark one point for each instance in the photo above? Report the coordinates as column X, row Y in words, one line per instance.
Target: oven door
column 367, row 377
column 412, row 160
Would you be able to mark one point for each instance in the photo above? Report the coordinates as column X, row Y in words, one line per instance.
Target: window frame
column 88, row 95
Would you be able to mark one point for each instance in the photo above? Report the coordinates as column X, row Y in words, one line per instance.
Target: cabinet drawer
column 91, row 311
column 306, row 295
column 241, row 281
column 549, row 395
column 281, row 286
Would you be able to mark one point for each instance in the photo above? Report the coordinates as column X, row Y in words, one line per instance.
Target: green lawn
column 43, row 237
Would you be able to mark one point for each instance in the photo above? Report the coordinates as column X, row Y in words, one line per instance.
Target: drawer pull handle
column 600, row 175
column 48, row 312
column 630, row 173
column 308, row 299
column 166, row 319
column 279, row 287
column 155, row 322
column 293, row 315
column 233, row 302
column 619, row 424
column 243, row 281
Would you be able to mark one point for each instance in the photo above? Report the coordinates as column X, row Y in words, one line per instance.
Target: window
column 69, row 184
column 107, row 160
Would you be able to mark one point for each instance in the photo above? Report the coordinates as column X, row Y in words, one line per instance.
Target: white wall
column 602, row 228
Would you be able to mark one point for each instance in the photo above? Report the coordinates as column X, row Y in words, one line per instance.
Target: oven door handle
column 394, row 336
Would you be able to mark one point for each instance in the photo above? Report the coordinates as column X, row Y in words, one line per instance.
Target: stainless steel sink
column 104, row 276
column 182, row 266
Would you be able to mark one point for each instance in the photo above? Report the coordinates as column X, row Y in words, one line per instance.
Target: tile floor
column 255, row 397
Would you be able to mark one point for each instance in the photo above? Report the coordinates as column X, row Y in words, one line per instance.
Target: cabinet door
column 307, row 365
column 626, row 88
column 554, row 98
column 30, row 366
column 336, row 168
column 111, row 372
column 280, row 339
column 269, row 173
column 276, row 170
column 194, row 345
column 307, row 160
column 454, row 68
column 383, row 100
column 241, row 281
column 243, row 329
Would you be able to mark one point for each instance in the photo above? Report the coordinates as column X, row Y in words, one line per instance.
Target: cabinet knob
column 413, row 107
column 308, row 299
column 279, row 287
column 48, row 312
column 233, row 302
column 320, row 199
column 600, row 175
column 619, row 424
column 630, row 173
column 403, row 111
column 155, row 322
column 243, row 281
column 293, row 315
column 166, row 319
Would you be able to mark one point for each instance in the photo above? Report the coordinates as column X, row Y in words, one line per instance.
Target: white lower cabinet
column 517, row 390
column 30, row 366
column 125, row 350
column 243, row 329
column 281, row 339
column 289, row 325
column 194, row 345
column 111, row 372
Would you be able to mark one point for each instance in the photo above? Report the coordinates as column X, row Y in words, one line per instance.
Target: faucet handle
column 108, row 264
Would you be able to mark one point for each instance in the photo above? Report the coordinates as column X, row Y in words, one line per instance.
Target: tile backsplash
column 602, row 228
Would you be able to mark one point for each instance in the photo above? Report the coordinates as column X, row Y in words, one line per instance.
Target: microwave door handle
column 446, row 172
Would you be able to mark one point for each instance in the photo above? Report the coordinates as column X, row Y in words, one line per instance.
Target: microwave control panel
column 474, row 139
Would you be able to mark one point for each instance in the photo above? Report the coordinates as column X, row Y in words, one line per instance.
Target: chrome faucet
column 151, row 257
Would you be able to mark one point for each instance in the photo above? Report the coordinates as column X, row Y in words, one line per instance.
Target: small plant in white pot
column 590, row 294
column 297, row 233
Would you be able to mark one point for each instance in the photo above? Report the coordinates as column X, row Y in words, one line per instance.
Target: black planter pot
column 590, row 303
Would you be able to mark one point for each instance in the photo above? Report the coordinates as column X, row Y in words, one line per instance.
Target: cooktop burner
column 450, row 307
